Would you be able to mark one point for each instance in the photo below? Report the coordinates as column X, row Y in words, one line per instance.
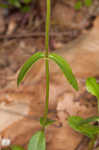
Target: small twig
column 35, row 34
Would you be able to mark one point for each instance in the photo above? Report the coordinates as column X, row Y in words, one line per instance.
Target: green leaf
column 93, row 88
column 37, row 142
column 27, row 1
column 16, row 147
column 88, row 120
column 64, row 66
column 48, row 122
column 15, row 3
column 88, row 2
column 27, row 66
column 86, row 129
column 78, row 5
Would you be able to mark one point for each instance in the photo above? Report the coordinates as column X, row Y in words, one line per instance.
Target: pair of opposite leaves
column 64, row 66
column 37, row 142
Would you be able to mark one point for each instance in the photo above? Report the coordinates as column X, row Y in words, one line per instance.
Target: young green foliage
column 64, row 66
column 86, row 129
column 89, row 120
column 93, row 88
column 83, row 125
column 37, row 142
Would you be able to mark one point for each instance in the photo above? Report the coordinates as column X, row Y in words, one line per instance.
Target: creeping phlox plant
column 83, row 125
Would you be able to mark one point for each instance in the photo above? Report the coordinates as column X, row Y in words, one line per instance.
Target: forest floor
column 76, row 38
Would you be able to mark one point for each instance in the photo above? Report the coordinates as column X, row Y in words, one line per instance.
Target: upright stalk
column 46, row 60
column 47, row 27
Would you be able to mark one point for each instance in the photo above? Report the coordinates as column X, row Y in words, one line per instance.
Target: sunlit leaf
column 28, row 65
column 88, row 120
column 88, row 3
column 86, row 129
column 16, row 147
column 37, row 142
column 48, row 122
column 64, row 66
column 78, row 5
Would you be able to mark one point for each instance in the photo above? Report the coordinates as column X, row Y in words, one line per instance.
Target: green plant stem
column 46, row 61
column 91, row 143
column 47, row 91
column 47, row 27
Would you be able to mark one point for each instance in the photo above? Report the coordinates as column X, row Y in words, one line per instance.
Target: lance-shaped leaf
column 25, row 68
column 37, row 142
column 86, row 129
column 90, row 119
column 93, row 88
column 64, row 66
column 16, row 147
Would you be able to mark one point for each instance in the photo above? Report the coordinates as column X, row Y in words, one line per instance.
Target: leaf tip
column 18, row 84
column 75, row 84
column 18, row 81
column 77, row 88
